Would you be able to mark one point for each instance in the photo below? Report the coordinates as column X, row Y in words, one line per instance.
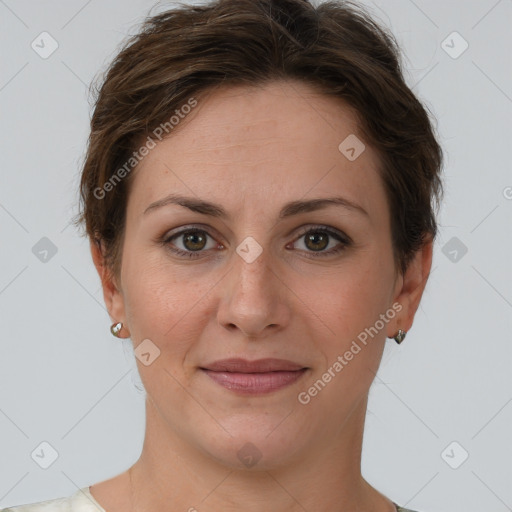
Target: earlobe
column 413, row 283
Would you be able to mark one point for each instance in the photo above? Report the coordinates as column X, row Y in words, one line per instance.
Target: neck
column 183, row 478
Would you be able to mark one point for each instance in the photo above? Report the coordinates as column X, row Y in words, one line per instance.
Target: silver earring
column 399, row 337
column 116, row 328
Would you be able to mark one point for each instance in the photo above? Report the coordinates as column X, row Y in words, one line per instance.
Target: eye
column 193, row 242
column 318, row 238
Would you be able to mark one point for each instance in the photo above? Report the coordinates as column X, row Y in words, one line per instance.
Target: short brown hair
column 335, row 47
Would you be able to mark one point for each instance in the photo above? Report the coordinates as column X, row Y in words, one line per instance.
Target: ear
column 112, row 294
column 410, row 286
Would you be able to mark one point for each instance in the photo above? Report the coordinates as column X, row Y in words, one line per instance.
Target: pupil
column 193, row 238
column 314, row 238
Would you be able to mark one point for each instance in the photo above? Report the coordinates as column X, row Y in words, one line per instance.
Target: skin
column 251, row 150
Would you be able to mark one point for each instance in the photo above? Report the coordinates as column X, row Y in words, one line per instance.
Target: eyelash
column 345, row 241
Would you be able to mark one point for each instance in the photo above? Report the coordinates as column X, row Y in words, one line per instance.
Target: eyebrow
column 288, row 210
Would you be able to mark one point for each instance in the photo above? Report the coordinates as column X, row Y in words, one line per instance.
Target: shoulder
column 80, row 501
column 399, row 508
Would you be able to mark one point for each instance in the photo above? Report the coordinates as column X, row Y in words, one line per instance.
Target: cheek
column 166, row 305
column 351, row 305
column 352, row 299
column 352, row 347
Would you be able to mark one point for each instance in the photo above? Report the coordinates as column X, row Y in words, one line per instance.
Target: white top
column 81, row 501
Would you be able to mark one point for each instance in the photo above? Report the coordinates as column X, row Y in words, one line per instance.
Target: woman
column 258, row 192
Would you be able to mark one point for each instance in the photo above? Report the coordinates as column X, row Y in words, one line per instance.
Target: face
column 270, row 271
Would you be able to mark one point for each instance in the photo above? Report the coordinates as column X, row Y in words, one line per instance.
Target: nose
column 253, row 298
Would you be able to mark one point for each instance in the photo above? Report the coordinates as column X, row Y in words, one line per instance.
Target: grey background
column 66, row 381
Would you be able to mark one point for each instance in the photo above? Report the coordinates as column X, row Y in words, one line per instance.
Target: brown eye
column 191, row 243
column 194, row 240
column 317, row 241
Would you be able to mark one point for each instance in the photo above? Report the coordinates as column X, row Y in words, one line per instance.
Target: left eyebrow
column 288, row 210
column 296, row 207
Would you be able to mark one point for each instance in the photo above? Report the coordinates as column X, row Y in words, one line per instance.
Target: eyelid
column 192, row 227
column 322, row 227
column 302, row 230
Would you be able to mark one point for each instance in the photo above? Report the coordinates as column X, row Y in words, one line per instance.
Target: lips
column 258, row 366
column 254, row 377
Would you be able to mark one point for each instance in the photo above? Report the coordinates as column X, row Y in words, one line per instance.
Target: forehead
column 289, row 111
column 241, row 142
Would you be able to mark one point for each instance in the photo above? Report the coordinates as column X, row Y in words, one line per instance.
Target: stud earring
column 115, row 329
column 399, row 337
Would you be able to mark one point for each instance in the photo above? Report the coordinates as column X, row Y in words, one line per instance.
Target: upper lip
column 258, row 366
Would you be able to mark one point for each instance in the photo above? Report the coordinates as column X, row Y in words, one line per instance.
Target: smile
column 255, row 383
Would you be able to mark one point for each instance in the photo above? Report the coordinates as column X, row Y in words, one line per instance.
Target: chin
column 256, row 445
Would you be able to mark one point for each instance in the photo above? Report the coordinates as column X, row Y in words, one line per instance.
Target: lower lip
column 255, row 383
